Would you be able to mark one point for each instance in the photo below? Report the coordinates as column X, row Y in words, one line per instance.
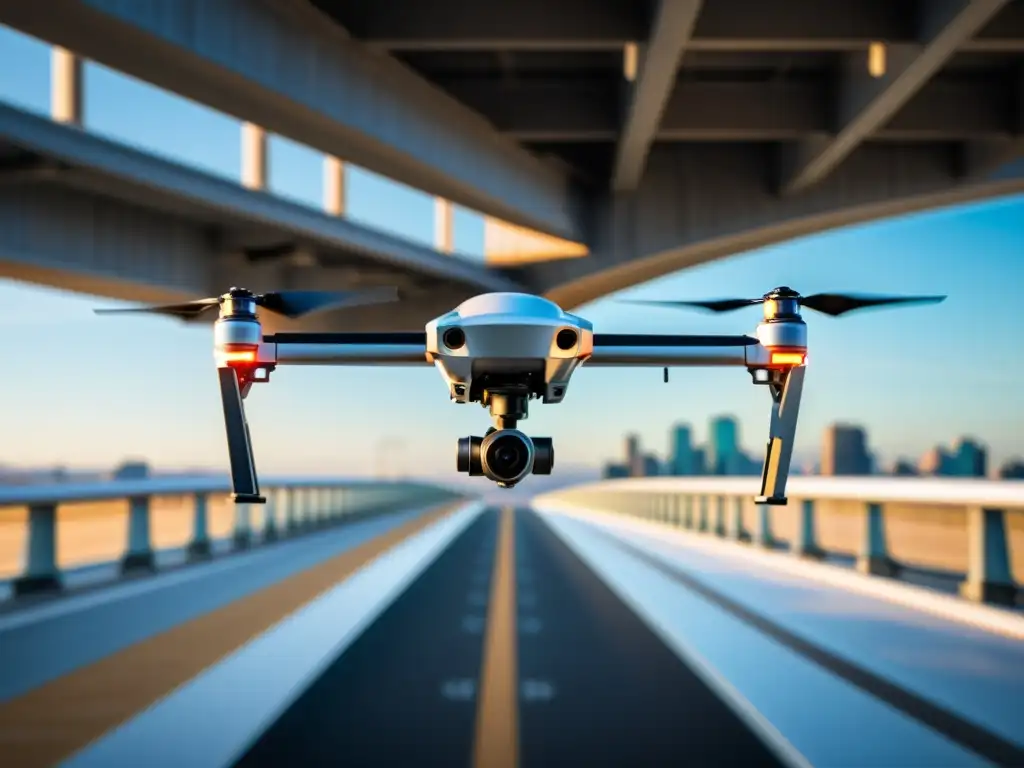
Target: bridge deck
column 543, row 637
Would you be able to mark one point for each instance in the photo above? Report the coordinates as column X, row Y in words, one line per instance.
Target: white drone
column 502, row 350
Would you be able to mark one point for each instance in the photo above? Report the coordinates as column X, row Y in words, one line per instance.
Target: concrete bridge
column 607, row 142
column 642, row 622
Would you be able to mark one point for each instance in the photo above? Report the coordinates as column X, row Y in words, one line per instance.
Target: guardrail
column 294, row 505
column 948, row 525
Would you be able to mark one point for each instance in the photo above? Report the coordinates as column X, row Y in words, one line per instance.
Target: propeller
column 291, row 304
column 834, row 304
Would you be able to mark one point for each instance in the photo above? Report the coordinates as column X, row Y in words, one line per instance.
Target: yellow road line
column 497, row 723
column 52, row 722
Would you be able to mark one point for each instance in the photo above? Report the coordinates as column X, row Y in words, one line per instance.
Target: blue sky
column 88, row 391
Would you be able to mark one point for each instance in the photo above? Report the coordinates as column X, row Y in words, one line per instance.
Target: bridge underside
column 665, row 133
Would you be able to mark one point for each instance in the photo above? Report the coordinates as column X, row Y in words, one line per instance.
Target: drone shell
column 507, row 333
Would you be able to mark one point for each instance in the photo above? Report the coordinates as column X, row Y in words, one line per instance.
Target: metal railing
column 294, row 505
column 965, row 527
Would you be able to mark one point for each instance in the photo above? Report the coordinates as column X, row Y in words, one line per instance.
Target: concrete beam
column 282, row 65
column 867, row 103
column 725, row 25
column 218, row 205
column 700, row 203
column 984, row 157
column 573, row 110
column 670, row 30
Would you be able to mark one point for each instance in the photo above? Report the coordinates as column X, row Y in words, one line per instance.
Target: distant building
column 651, row 465
column 700, row 462
column 683, row 460
column 132, row 470
column 936, row 462
column 723, row 451
column 844, row 451
column 903, row 468
column 969, row 459
column 615, row 471
column 1012, row 470
column 634, row 459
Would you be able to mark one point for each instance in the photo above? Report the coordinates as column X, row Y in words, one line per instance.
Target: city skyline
column 90, row 391
column 845, row 450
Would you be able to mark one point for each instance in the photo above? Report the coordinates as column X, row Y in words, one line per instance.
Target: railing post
column 269, row 532
column 737, row 530
column 874, row 555
column 702, row 523
column 763, row 535
column 688, row 512
column 676, row 516
column 291, row 510
column 805, row 544
column 39, row 568
column 139, row 553
column 199, row 547
column 720, row 516
column 242, row 536
column 989, row 573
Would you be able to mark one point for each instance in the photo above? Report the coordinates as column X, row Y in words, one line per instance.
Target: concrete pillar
column 720, row 516
column 254, row 157
column 199, row 547
column 242, row 536
column 763, row 536
column 805, row 543
column 39, row 571
column 139, row 553
column 989, row 573
column 270, row 518
column 737, row 530
column 334, row 186
column 702, row 522
column 66, row 87
column 444, row 225
column 874, row 555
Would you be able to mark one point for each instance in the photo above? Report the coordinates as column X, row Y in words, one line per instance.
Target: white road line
column 211, row 720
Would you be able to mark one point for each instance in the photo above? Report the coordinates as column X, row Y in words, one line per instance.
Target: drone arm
column 613, row 349
column 243, row 467
column 345, row 348
column 781, row 433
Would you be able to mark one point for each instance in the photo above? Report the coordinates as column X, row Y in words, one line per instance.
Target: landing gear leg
column 786, row 389
column 243, row 467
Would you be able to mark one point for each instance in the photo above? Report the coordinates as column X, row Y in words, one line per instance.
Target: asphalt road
column 508, row 651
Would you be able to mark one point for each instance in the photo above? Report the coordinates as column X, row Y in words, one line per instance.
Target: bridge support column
column 199, row 547
column 242, row 536
column 989, row 573
column 269, row 532
column 39, row 570
column 763, row 536
column 737, row 529
column 444, row 225
column 254, row 157
column 335, row 202
column 702, row 522
column 139, row 554
column 806, row 542
column 291, row 510
column 720, row 529
column 874, row 554
column 66, row 87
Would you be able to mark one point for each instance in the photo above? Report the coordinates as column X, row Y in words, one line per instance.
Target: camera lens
column 508, row 457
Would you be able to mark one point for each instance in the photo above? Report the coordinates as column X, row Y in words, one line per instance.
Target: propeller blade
column 717, row 305
column 836, row 304
column 186, row 310
column 295, row 304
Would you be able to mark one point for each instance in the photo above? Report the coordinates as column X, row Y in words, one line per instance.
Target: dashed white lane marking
column 536, row 690
column 530, row 625
column 474, row 625
column 463, row 689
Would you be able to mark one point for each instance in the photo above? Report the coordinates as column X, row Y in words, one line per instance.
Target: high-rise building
column 1012, row 470
column 903, row 468
column 844, row 451
column 936, row 462
column 651, row 465
column 969, row 459
column 682, row 461
column 613, row 471
column 634, row 459
column 723, row 452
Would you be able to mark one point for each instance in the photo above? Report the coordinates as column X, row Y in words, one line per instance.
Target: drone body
column 502, row 350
